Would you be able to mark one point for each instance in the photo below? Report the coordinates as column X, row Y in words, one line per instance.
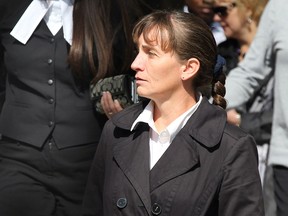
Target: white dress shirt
column 160, row 141
column 56, row 13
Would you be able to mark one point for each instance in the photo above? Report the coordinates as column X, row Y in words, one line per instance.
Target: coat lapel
column 132, row 156
column 204, row 128
column 184, row 149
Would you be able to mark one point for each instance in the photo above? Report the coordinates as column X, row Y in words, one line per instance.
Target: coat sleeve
column 241, row 192
column 93, row 197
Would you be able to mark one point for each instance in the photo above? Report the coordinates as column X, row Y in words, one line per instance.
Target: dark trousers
column 281, row 189
column 42, row 182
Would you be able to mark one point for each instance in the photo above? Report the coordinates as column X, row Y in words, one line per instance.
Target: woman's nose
column 136, row 64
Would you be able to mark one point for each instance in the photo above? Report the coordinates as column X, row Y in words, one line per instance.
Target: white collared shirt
column 56, row 13
column 160, row 141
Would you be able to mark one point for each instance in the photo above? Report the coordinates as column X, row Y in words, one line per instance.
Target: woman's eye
column 151, row 53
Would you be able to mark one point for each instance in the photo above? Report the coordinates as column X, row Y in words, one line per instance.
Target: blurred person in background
column 240, row 19
column 203, row 9
column 267, row 56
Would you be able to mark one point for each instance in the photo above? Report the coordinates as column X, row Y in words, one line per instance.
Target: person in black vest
column 48, row 124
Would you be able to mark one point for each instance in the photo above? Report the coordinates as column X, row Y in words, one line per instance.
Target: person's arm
column 258, row 124
column 93, row 198
column 241, row 192
column 243, row 80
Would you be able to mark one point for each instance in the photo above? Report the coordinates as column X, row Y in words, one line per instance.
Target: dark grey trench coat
column 210, row 168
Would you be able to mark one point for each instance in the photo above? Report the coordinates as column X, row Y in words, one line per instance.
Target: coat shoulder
column 236, row 139
column 234, row 132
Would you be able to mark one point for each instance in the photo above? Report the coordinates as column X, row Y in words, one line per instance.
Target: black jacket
column 210, row 168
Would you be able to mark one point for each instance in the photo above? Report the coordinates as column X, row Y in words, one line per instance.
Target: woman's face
column 229, row 15
column 158, row 73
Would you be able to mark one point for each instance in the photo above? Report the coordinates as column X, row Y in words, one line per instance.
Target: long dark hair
column 102, row 42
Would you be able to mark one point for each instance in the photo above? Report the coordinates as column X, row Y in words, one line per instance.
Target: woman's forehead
column 155, row 34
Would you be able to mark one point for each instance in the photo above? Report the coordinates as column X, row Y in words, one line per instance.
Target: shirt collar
column 147, row 117
column 35, row 12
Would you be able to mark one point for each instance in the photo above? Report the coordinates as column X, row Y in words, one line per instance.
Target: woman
column 240, row 20
column 268, row 55
column 174, row 154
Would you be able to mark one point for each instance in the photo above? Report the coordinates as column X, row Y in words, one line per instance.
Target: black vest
column 43, row 99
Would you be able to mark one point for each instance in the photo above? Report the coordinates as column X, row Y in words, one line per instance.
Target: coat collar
column 206, row 125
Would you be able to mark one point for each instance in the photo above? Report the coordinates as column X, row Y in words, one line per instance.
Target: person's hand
column 109, row 105
column 233, row 117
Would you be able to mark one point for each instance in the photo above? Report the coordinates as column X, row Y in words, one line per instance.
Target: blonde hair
column 256, row 7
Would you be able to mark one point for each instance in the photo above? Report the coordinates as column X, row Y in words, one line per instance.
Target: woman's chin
column 142, row 93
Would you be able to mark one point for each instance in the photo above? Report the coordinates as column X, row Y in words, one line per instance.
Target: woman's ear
column 248, row 15
column 190, row 69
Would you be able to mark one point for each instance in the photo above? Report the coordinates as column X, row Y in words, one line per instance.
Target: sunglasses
column 222, row 11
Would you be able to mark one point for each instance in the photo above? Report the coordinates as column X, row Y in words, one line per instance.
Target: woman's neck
column 166, row 112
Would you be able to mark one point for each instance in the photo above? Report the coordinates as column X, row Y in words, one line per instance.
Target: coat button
column 51, row 123
column 122, row 203
column 50, row 81
column 156, row 209
column 49, row 61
